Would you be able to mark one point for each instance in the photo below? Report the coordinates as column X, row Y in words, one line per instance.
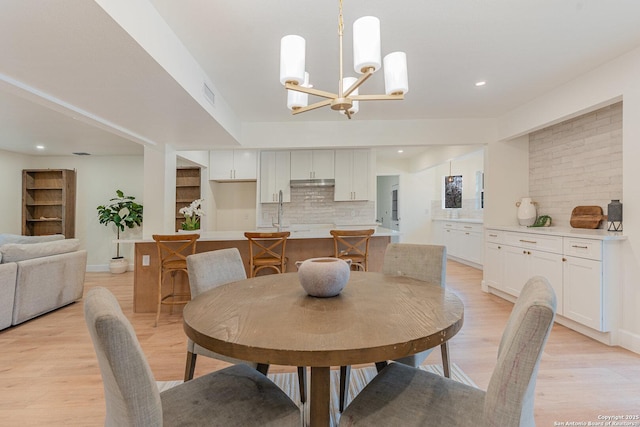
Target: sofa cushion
column 16, row 238
column 14, row 252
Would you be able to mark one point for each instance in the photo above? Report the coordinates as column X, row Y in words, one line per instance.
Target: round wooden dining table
column 271, row 320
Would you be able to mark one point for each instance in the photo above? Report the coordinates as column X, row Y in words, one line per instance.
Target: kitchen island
column 304, row 243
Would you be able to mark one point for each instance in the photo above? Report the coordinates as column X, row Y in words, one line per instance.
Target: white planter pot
column 118, row 265
column 526, row 211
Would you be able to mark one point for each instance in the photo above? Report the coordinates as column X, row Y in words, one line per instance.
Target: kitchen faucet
column 280, row 206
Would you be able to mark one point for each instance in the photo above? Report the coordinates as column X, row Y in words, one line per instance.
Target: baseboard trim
column 629, row 340
column 465, row 262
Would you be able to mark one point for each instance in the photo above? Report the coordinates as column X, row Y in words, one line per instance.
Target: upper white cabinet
column 233, row 165
column 275, row 175
column 312, row 164
column 352, row 175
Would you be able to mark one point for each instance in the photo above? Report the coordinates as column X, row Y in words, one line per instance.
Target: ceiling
column 74, row 80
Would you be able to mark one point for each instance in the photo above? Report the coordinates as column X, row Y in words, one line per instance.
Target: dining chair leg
column 446, row 363
column 159, row 306
column 345, row 376
column 263, row 368
column 381, row 365
column 302, row 383
column 190, row 368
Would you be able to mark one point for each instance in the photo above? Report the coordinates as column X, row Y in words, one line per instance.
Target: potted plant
column 123, row 212
column 192, row 215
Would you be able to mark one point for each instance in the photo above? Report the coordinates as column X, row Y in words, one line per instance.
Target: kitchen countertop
column 469, row 220
column 297, row 232
column 597, row 234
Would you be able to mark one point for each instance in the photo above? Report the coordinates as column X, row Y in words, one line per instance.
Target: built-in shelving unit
column 187, row 190
column 49, row 202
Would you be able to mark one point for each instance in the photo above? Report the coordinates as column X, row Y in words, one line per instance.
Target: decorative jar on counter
column 526, row 211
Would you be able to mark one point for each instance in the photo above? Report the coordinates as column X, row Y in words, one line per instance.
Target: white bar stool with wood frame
column 173, row 250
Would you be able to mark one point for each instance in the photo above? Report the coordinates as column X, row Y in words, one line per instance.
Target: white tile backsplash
column 577, row 162
column 315, row 205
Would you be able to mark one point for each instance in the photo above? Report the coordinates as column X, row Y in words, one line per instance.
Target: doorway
column 388, row 201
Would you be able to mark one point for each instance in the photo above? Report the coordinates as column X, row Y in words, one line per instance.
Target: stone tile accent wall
column 577, row 162
column 315, row 205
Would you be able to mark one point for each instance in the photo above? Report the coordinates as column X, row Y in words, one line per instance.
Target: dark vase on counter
column 614, row 215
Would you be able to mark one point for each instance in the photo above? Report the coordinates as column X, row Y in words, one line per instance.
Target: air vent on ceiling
column 208, row 93
column 82, row 153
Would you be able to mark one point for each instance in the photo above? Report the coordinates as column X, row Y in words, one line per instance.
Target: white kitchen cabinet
column 233, row 165
column 312, row 164
column 584, row 271
column 275, row 175
column 352, row 175
column 493, row 265
column 463, row 241
column 522, row 264
column 583, row 292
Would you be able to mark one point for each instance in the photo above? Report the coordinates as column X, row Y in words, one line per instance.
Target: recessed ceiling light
column 481, row 83
column 400, row 151
column 40, row 147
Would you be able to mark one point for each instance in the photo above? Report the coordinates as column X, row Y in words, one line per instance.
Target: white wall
column 421, row 191
column 11, row 166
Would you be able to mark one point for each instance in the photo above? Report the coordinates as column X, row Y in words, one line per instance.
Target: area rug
column 288, row 382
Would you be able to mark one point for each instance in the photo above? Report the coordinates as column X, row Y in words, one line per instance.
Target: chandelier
column 366, row 61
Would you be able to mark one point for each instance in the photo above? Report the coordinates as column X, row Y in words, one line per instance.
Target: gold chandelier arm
column 377, row 97
column 310, row 91
column 363, row 78
column 312, row 106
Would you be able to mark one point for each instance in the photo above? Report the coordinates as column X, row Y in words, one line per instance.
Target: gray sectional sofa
column 38, row 274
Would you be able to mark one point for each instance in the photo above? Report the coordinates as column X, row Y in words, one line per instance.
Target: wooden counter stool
column 353, row 245
column 173, row 250
column 267, row 251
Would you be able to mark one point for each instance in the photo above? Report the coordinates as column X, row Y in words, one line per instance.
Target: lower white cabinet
column 521, row 264
column 583, row 292
column 463, row 240
column 575, row 267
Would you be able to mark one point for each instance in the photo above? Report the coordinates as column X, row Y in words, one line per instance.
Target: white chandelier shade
column 292, row 59
column 366, row 44
column 396, row 80
column 295, row 99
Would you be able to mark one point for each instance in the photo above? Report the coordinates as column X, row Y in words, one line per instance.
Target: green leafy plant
column 121, row 211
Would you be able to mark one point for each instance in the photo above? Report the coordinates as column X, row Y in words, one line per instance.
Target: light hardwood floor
column 49, row 374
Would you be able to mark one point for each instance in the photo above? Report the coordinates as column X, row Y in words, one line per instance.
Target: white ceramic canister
column 526, row 211
column 323, row 277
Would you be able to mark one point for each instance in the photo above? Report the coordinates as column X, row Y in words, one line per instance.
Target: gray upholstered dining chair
column 208, row 270
column 401, row 395
column 234, row 396
column 421, row 262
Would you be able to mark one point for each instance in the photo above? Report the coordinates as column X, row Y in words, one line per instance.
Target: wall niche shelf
column 187, row 190
column 48, row 202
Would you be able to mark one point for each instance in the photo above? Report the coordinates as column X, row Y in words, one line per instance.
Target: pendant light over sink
column 366, row 60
